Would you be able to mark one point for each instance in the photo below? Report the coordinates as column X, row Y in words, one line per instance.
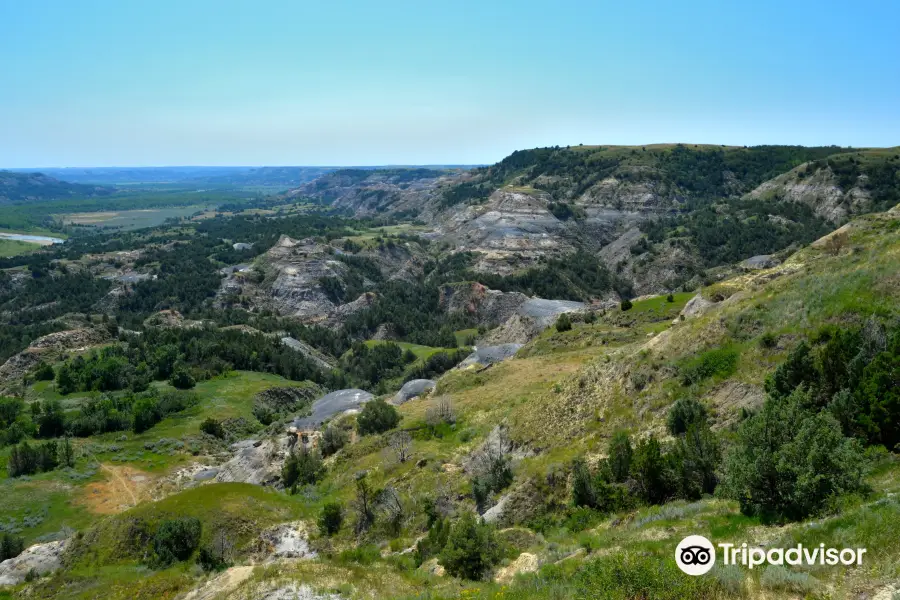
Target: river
column 35, row 239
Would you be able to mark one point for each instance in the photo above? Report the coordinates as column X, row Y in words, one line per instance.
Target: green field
column 16, row 247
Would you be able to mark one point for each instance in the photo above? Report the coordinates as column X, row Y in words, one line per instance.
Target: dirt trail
column 123, row 489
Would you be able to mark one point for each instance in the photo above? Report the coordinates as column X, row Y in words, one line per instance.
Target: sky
column 343, row 82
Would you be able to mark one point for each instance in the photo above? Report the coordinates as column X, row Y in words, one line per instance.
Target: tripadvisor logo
column 696, row 555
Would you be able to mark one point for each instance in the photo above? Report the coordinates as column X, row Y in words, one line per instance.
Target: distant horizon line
column 435, row 165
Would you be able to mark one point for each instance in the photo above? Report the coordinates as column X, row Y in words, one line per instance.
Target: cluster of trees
column 367, row 365
column 28, row 459
column 136, row 411
column 647, row 471
column 736, row 229
column 413, row 311
column 183, row 356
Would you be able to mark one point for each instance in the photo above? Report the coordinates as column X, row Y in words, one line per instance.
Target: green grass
column 463, row 335
column 421, row 352
column 16, row 247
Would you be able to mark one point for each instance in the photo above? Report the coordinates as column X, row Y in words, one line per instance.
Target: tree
column 377, row 416
column 10, row 546
column 44, row 372
column 364, row 503
column 65, row 380
column 626, row 305
column 331, row 518
column 650, row 471
column 302, row 468
column 471, row 550
column 176, row 540
column 52, row 421
column 789, row 460
column 218, row 553
column 563, row 323
column 333, row 439
column 66, row 453
column 670, row 298
column 620, row 455
column 583, row 490
column 684, row 413
column 696, row 458
column 182, row 379
column 401, row 444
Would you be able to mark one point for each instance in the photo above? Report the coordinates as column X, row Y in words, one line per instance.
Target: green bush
column 620, row 455
column 563, row 323
column 10, row 546
column 377, row 416
column 44, row 372
column 181, row 379
column 434, row 542
column 626, row 304
column 302, row 468
column 628, row 576
column 684, row 413
column 176, row 540
column 720, row 362
column 790, row 460
column 331, row 518
column 471, row 550
column 213, row 427
column 333, row 439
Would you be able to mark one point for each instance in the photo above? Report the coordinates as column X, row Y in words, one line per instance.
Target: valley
column 526, row 380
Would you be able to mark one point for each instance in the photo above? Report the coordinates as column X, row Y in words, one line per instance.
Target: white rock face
column 413, row 389
column 42, row 558
column 288, row 540
column 255, row 462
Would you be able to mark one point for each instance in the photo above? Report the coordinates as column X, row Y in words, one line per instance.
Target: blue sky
column 100, row 83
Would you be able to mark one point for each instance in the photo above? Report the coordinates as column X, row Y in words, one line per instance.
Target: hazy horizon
column 100, row 83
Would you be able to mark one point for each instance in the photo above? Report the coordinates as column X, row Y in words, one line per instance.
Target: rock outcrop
column 332, row 404
column 40, row 558
column 413, row 389
column 47, row 349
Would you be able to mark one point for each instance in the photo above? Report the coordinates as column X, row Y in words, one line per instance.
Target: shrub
column 331, row 518
column 626, row 576
column 213, row 427
column 684, row 413
column 651, row 472
column 182, row 380
column 176, row 540
column 471, row 549
column 720, row 362
column 434, row 542
column 670, row 298
column 790, row 460
column 303, row 468
column 377, row 416
column 333, row 439
column 563, row 323
column 217, row 555
column 626, row 304
column 781, row 579
column 44, row 372
column 620, row 455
